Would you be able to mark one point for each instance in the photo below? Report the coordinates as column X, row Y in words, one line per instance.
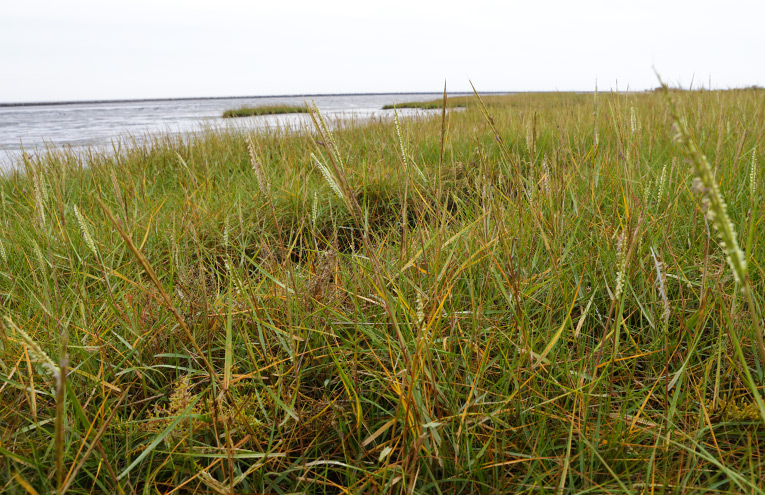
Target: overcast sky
column 114, row 49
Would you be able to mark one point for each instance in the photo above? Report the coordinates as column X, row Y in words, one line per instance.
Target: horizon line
column 307, row 95
column 295, row 95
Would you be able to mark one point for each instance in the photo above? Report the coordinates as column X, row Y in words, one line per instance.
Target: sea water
column 33, row 128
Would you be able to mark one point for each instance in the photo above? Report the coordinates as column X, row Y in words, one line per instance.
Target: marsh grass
column 451, row 102
column 525, row 296
column 263, row 110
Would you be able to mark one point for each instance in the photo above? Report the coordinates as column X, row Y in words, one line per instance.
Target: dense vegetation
column 526, row 296
column 263, row 110
column 453, row 102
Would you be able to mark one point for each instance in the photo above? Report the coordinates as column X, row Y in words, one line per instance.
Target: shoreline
column 11, row 160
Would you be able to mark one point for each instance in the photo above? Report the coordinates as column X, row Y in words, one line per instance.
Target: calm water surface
column 34, row 128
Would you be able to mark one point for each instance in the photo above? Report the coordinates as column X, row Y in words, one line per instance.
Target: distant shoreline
column 193, row 98
column 312, row 95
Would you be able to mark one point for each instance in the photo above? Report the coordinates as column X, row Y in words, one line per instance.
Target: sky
column 53, row 50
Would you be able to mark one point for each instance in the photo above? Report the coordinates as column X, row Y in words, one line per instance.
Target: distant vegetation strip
column 460, row 102
column 264, row 110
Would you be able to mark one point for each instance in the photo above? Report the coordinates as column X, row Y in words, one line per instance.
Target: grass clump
column 263, row 110
column 530, row 295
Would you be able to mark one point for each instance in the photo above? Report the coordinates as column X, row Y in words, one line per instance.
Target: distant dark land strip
column 199, row 98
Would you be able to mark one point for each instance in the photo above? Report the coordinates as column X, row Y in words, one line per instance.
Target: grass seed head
column 633, row 120
column 39, row 199
column 420, row 311
column 328, row 177
column 315, row 208
column 263, row 184
column 753, row 176
column 85, row 230
column 35, row 351
column 713, row 202
column 662, row 180
column 545, row 175
column 621, row 254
